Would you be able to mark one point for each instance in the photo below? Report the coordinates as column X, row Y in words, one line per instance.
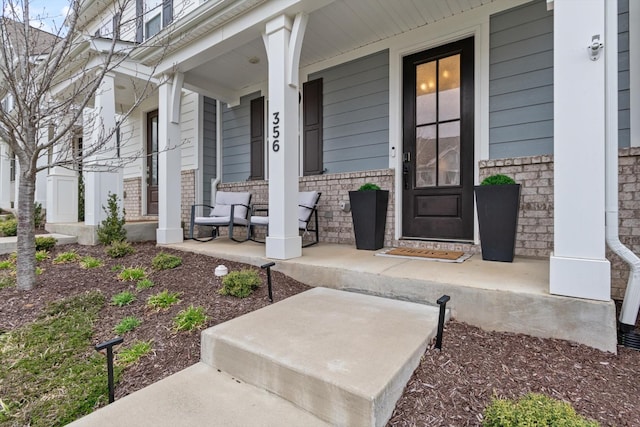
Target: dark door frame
column 151, row 191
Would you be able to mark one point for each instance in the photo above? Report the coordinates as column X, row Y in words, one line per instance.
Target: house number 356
column 275, row 132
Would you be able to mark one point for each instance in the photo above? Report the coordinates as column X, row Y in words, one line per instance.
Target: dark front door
column 152, row 163
column 438, row 171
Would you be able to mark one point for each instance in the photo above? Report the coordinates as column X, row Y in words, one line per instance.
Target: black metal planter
column 498, row 207
column 369, row 213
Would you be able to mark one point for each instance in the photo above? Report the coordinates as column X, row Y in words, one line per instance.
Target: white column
column 578, row 266
column 283, row 241
column 5, row 177
column 99, row 182
column 169, row 162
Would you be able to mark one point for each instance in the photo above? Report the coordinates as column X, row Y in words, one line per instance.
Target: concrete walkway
column 510, row 297
column 322, row 356
column 10, row 244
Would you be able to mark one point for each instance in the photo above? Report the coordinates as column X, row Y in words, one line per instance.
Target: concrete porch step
column 342, row 356
column 199, row 396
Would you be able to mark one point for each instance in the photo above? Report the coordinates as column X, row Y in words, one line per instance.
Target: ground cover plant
column 127, row 324
column 123, row 298
column 163, row 300
column 450, row 387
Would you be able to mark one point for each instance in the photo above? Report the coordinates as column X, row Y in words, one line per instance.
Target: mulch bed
column 451, row 387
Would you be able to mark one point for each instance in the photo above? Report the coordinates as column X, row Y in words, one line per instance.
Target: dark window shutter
column 257, row 138
column 139, row 21
column 312, row 127
column 167, row 12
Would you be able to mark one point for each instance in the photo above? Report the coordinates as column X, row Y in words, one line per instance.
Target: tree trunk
column 26, row 262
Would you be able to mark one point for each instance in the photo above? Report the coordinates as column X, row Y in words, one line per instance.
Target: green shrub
column 533, row 409
column 119, row 249
column 144, row 284
column 8, row 264
column 64, row 257
column 163, row 300
column 45, row 243
column 133, row 353
column 165, row 261
column 7, row 280
column 41, row 255
column 38, row 216
column 123, row 298
column 127, row 324
column 240, row 283
column 9, row 227
column 497, row 179
column 368, row 187
column 111, row 229
column 190, row 318
column 132, row 274
column 91, row 262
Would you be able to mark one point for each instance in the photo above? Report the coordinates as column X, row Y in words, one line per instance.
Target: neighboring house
column 424, row 98
column 41, row 44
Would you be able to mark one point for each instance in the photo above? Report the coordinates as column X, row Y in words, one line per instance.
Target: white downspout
column 631, row 302
column 217, row 179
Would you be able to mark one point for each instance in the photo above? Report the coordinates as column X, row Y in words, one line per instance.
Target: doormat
column 426, row 254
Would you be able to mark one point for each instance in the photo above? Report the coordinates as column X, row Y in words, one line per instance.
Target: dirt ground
column 451, row 387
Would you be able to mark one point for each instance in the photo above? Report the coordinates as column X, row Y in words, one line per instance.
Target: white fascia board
column 210, row 89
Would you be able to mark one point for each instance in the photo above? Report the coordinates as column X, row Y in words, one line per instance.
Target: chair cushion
column 218, row 220
column 306, row 198
column 224, row 200
column 259, row 220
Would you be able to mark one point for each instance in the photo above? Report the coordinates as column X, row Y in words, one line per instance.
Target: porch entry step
column 199, row 396
column 344, row 357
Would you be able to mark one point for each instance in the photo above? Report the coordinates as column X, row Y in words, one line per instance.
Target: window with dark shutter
column 312, row 127
column 139, row 21
column 257, row 138
column 167, row 12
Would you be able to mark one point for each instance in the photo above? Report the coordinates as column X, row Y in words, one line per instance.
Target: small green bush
column 7, row 280
column 240, row 283
column 497, row 179
column 127, row 324
column 8, row 264
column 119, row 249
column 64, row 257
column 9, row 227
column 123, row 298
column 190, row 319
column 133, row 353
column 163, row 300
column 41, row 255
column 369, row 186
column 144, row 284
column 38, row 215
column 45, row 243
column 165, row 261
column 533, row 409
column 111, row 229
column 91, row 262
column 132, row 274
column 117, row 268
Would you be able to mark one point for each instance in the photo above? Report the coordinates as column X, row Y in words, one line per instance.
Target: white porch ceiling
column 340, row 27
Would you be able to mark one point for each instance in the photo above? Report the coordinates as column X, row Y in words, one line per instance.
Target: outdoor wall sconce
column 595, row 48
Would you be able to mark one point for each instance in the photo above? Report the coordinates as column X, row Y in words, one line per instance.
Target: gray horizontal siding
column 208, row 148
column 624, row 116
column 356, row 114
column 521, row 82
column 236, row 157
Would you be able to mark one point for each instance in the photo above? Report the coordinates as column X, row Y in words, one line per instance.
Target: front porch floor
column 511, row 297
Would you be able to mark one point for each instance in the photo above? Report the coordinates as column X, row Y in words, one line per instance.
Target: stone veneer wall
column 188, row 197
column 132, row 196
column 535, row 222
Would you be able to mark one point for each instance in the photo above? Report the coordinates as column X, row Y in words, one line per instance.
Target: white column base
column 62, row 196
column 580, row 277
column 169, row 235
column 284, row 247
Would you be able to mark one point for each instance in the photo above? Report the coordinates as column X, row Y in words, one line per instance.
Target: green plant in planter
column 497, row 179
column 369, row 186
